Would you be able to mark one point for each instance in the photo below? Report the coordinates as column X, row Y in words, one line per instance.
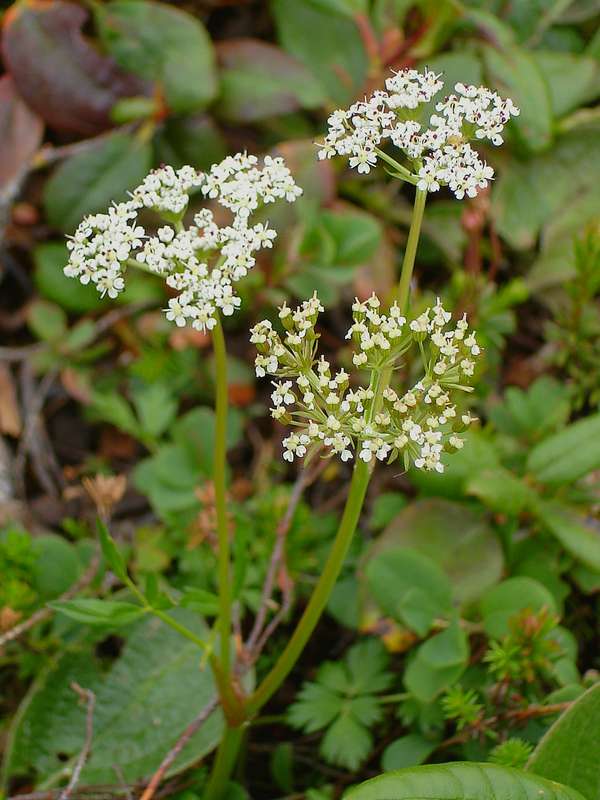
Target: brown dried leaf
column 20, row 132
column 10, row 415
column 57, row 71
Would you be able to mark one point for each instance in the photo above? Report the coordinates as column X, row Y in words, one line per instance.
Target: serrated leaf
column 346, row 743
column 315, row 707
column 574, row 532
column 509, row 598
column 367, row 664
column 569, row 454
column 569, row 752
column 93, row 611
column 90, row 181
column 153, row 690
column 461, row 781
column 166, row 44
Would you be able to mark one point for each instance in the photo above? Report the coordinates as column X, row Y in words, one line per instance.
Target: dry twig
column 191, row 729
column 90, row 699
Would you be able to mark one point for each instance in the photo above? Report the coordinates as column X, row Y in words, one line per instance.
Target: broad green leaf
column 573, row 80
column 569, row 752
column 165, row 44
column 437, row 663
column 514, row 72
column 461, row 781
column 407, row 751
column 327, row 43
column 386, row 506
column 410, row 587
column 457, row 539
column 509, row 598
column 49, row 259
column 456, row 67
column 57, row 566
column 579, row 537
column 569, row 454
column 258, row 80
column 501, row 491
column 113, row 557
column 47, row 320
column 154, row 689
column 190, row 139
column 90, row 181
column 92, row 611
column 200, row 600
column 156, row 407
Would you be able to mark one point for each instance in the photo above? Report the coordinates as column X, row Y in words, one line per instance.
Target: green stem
column 320, row 596
column 223, row 764
column 168, row 620
column 219, row 477
column 408, row 262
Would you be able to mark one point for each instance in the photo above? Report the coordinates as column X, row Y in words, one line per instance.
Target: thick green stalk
column 408, row 262
column 223, row 764
column 320, row 596
column 219, row 471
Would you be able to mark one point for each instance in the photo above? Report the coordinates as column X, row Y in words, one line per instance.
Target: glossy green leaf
column 326, row 42
column 92, row 611
column 568, row 455
column 163, row 43
column 143, row 703
column 514, row 72
column 438, row 662
column 455, row 538
column 579, row 537
column 461, row 781
column 409, row 587
column 258, row 80
column 569, row 752
column 407, row 751
column 91, row 180
column 510, row 597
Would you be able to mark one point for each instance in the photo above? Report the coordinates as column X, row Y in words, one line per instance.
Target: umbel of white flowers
column 437, row 152
column 202, row 262
column 333, row 410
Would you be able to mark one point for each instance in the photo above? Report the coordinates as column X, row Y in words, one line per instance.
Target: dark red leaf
column 58, row 72
column 20, row 133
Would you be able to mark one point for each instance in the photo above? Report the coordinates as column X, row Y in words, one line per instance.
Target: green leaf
column 501, row 491
column 367, row 664
column 569, row 454
column 509, row 598
column 111, row 407
column 573, row 80
column 569, row 752
column 92, row 611
column 456, row 67
column 534, row 413
column 200, row 600
column 409, row 587
column 142, row 706
column 90, row 181
column 327, row 43
column 49, row 259
column 514, row 72
column 57, row 566
column 461, row 781
column 347, row 743
column 47, row 320
column 437, row 663
column 258, row 80
column 385, row 507
column 407, row 751
column 192, row 139
column 113, row 557
column 166, row 44
column 156, row 407
column 316, row 707
column 577, row 536
column 455, row 538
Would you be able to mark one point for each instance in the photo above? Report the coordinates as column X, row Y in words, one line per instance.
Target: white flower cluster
column 332, row 409
column 438, row 154
column 202, row 262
